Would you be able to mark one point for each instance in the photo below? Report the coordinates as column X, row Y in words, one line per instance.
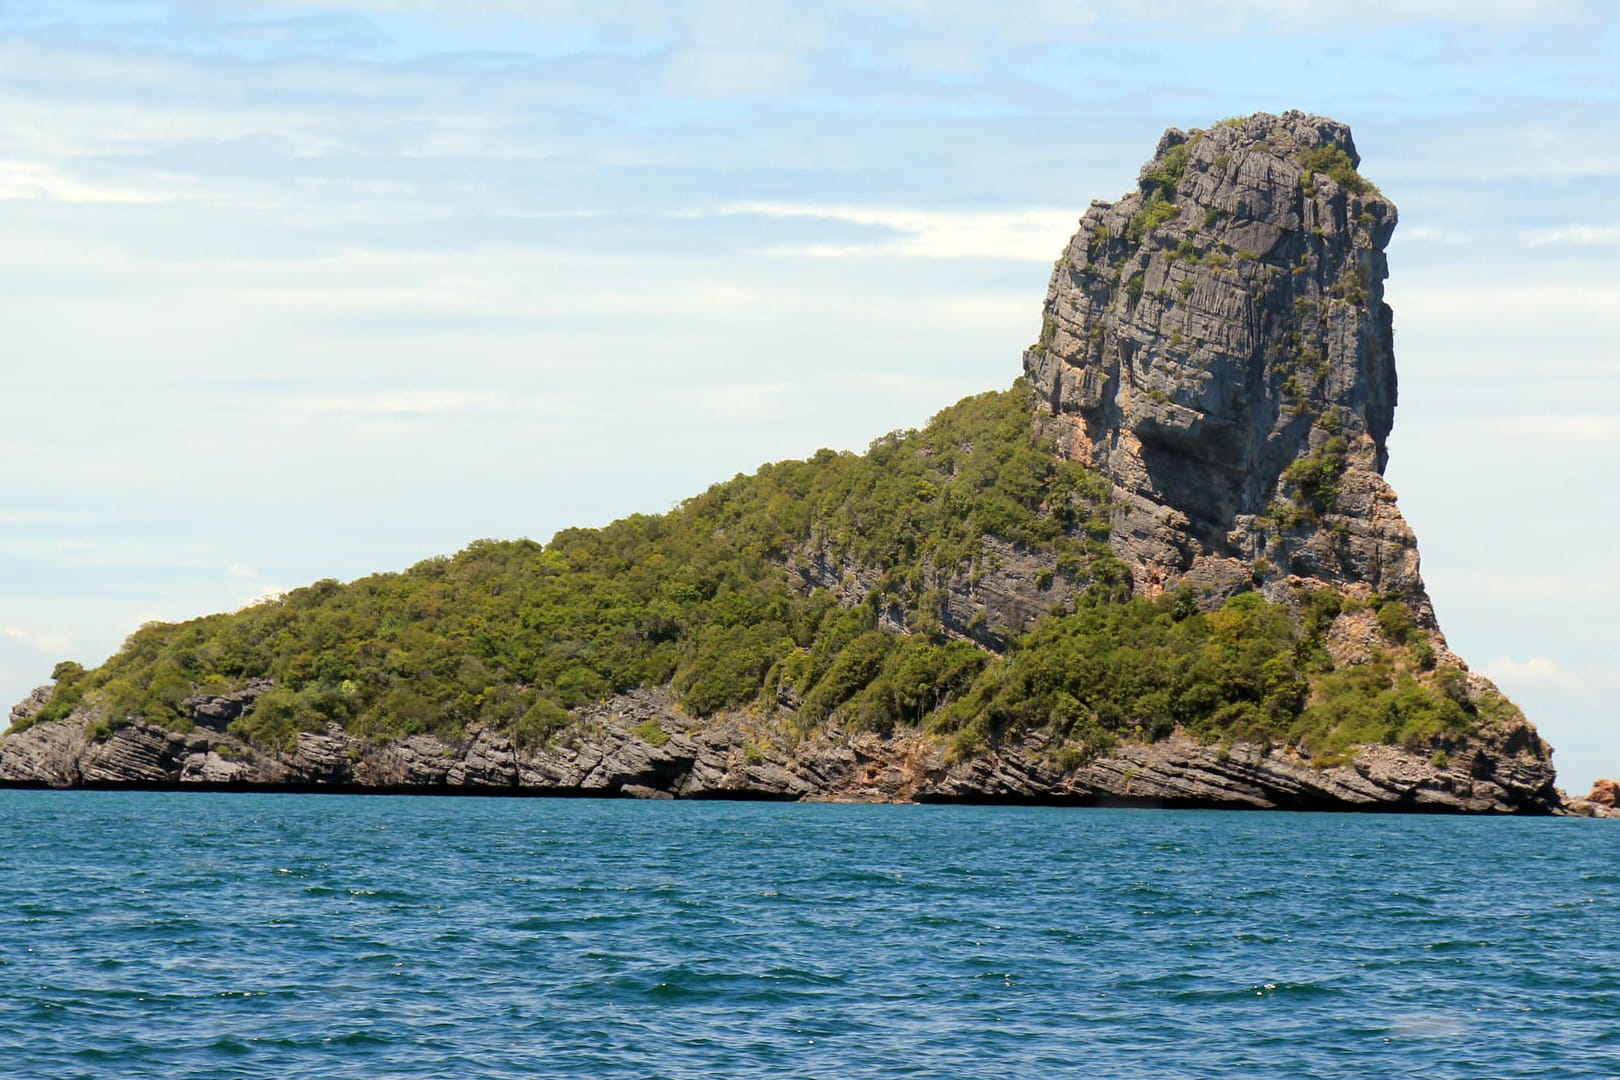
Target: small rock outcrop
column 30, row 706
column 1605, row 793
column 1602, row 802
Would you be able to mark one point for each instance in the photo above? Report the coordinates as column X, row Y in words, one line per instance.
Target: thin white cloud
column 402, row 403
column 1466, row 305
column 1592, row 587
column 406, row 404
column 730, row 402
column 239, row 570
column 263, row 593
column 711, row 19
column 44, row 517
column 1432, row 234
column 1487, row 12
column 718, row 73
column 74, row 551
column 34, row 180
column 1549, row 427
column 1540, row 669
column 1577, row 235
column 1586, row 695
column 1036, row 234
column 48, row 642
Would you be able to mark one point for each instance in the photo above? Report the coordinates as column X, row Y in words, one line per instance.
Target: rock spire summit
column 1216, row 342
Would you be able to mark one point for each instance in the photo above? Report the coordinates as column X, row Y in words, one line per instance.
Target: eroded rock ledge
column 639, row 745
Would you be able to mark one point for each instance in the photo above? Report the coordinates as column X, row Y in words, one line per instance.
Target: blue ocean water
column 207, row 935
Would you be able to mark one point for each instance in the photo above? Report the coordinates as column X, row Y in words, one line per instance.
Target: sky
column 295, row 290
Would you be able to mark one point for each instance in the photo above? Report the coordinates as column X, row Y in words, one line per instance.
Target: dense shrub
column 1334, row 163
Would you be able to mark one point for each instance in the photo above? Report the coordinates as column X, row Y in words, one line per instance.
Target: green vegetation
column 1315, row 477
column 1159, row 192
column 1335, row 164
column 1155, row 212
column 1351, row 286
column 1171, row 168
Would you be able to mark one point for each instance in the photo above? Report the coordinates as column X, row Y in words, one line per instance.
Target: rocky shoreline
column 639, row 745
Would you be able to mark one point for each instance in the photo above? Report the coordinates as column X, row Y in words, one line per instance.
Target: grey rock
column 216, row 711
column 1195, row 364
column 137, row 753
column 29, row 707
column 46, row 754
column 488, row 761
column 208, row 767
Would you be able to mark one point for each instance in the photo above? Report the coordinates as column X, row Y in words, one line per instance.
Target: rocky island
column 1163, row 568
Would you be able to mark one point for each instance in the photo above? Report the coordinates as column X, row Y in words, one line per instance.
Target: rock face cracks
column 1217, row 344
column 638, row 745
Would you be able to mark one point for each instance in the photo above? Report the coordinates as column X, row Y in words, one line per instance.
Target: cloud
column 1594, row 688
column 1496, row 588
column 1469, row 304
column 710, row 19
column 21, row 180
column 238, row 570
column 1434, row 234
column 402, row 403
column 1549, row 427
column 44, row 517
column 88, row 552
column 264, row 593
column 731, row 72
column 1574, row 235
column 53, row 644
column 1035, row 234
column 1538, row 669
column 1560, row 697
column 448, row 404
column 742, row 401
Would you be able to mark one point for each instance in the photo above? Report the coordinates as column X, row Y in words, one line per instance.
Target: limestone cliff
column 1217, row 343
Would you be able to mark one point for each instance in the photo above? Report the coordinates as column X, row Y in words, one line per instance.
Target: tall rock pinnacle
column 1216, row 343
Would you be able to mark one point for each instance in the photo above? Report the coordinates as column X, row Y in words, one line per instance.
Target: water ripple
column 178, row 935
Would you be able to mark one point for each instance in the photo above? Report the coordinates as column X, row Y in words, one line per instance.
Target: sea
column 175, row 935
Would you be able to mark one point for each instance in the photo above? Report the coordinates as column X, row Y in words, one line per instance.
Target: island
column 1163, row 568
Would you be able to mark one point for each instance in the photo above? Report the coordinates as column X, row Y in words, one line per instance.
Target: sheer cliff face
column 1217, row 344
